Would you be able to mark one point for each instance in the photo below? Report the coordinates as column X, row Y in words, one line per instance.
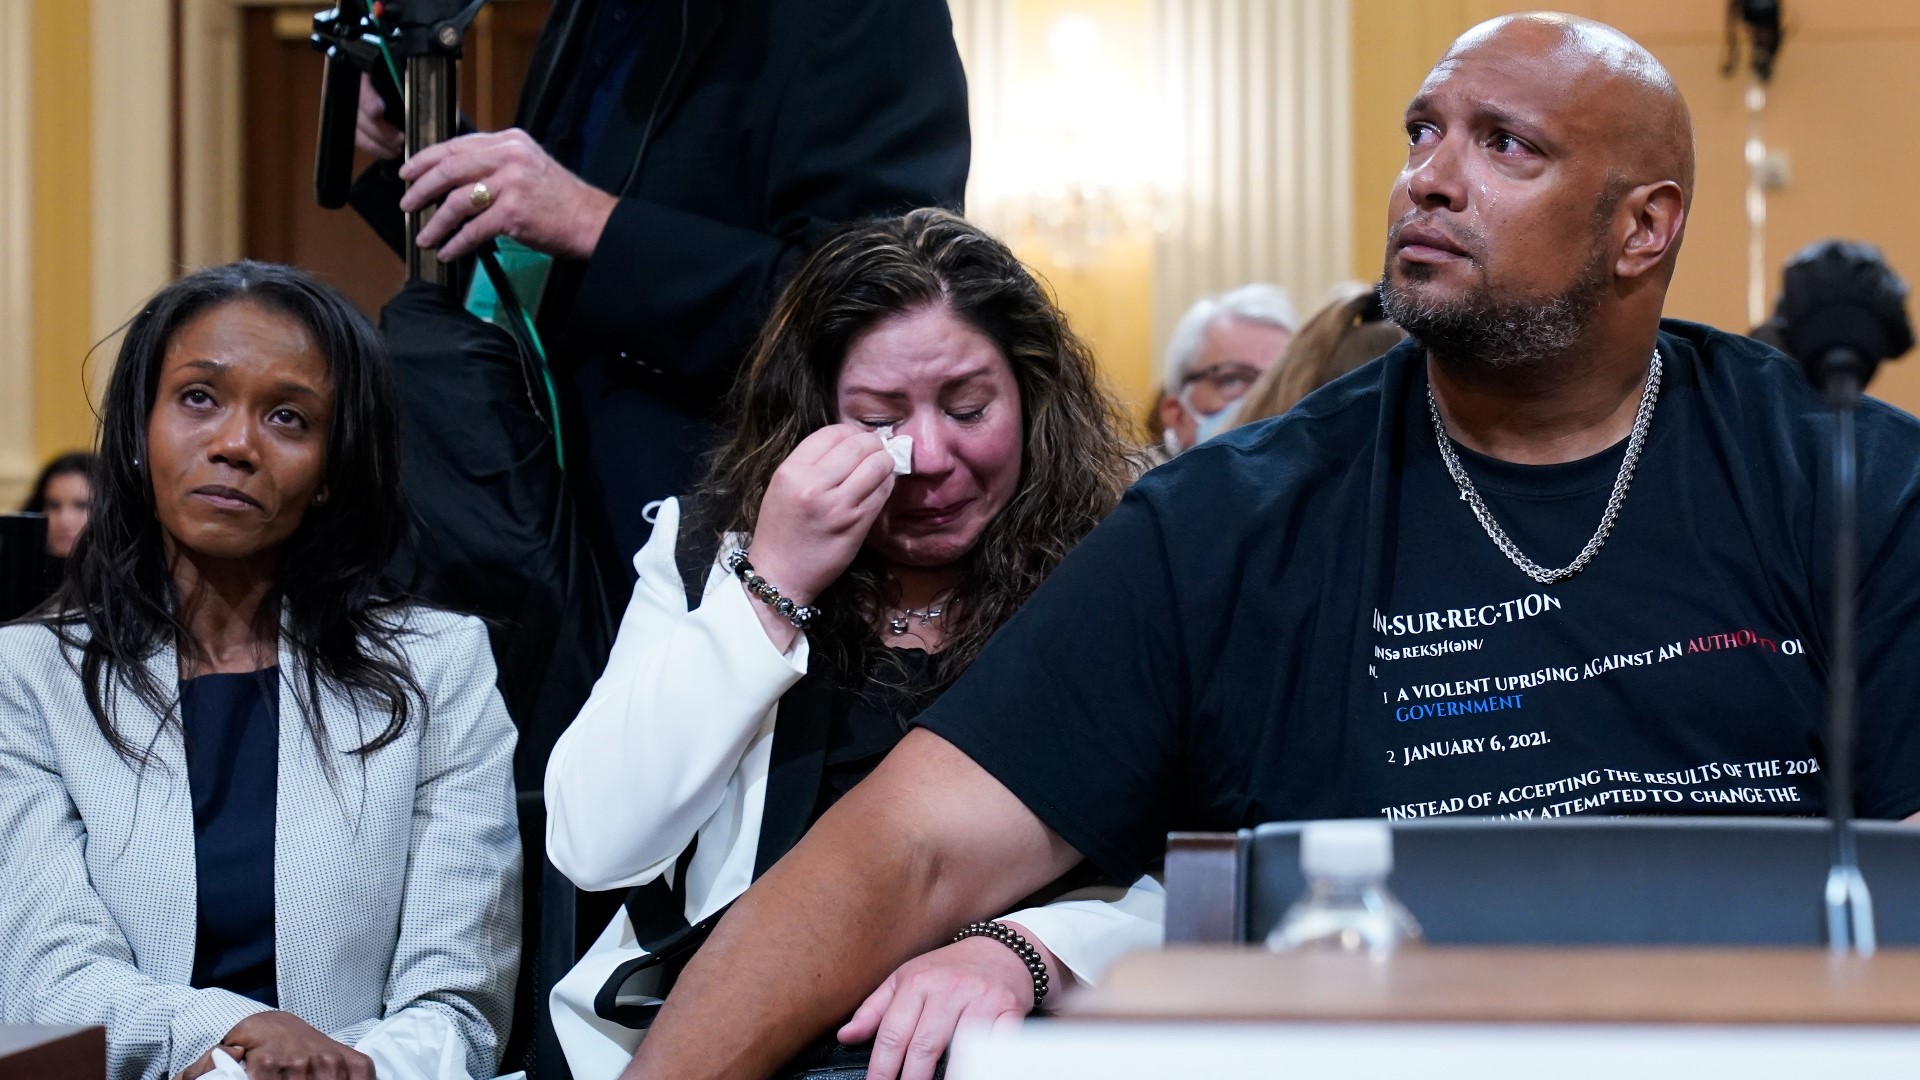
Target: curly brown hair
column 1075, row 460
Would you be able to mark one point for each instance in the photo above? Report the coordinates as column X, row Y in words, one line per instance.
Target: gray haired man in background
column 1220, row 346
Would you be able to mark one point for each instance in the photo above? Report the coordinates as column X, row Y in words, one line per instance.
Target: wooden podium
column 53, row 1053
column 1484, row 1013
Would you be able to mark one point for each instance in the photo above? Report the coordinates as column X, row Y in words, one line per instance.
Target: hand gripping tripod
column 408, row 48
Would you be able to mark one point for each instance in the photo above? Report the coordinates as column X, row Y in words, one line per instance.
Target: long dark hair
column 1074, row 466
column 78, row 463
column 328, row 601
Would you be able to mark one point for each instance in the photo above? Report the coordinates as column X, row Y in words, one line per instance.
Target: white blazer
column 396, row 882
column 675, row 742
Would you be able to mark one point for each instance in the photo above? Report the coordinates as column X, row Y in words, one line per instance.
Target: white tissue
column 414, row 1044
column 900, row 446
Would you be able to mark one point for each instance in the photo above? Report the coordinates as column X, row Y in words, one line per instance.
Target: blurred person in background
column 1348, row 332
column 1217, row 351
column 1155, row 429
column 64, row 493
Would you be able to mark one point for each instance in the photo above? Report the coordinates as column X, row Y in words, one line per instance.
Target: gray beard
column 1483, row 331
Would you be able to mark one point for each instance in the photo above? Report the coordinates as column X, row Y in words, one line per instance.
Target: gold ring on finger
column 480, row 197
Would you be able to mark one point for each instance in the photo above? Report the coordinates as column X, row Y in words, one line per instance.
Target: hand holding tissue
column 900, row 446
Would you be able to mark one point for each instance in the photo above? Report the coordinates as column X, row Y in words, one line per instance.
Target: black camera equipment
column 1844, row 312
column 408, row 49
column 1761, row 19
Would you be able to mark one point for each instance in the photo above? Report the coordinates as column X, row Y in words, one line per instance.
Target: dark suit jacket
column 779, row 120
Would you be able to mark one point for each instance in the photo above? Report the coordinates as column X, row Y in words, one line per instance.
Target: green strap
column 529, row 335
column 380, row 40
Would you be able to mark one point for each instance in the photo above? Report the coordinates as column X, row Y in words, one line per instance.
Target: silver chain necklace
column 1637, row 441
column 899, row 625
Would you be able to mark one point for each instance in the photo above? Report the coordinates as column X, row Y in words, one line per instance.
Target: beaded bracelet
column 800, row 615
column 1012, row 939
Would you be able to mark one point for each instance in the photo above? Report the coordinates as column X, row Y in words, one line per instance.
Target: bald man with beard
column 1552, row 556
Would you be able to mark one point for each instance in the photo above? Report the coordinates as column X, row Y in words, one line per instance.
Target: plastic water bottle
column 1346, row 906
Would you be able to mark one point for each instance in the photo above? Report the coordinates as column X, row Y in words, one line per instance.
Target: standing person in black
column 677, row 158
column 1306, row 618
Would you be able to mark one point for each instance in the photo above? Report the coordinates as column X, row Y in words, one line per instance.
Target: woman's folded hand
column 281, row 1045
column 911, row 1018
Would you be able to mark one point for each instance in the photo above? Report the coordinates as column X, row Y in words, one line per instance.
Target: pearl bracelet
column 1012, row 939
column 800, row 615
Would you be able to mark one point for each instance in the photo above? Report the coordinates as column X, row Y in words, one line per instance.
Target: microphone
column 1844, row 311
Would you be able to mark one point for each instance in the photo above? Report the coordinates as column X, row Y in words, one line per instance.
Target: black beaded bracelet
column 800, row 615
column 1012, row 939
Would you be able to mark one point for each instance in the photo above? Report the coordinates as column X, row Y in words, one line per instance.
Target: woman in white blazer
column 918, row 439
column 250, row 801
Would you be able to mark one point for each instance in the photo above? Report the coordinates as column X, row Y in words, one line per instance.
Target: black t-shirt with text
column 1303, row 619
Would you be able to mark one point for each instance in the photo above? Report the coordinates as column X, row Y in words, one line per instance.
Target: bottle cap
column 1346, row 850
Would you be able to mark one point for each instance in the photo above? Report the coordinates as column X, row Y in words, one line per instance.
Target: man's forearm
column 794, row 957
column 889, row 873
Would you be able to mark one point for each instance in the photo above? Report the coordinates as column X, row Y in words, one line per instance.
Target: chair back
column 24, row 580
column 1594, row 881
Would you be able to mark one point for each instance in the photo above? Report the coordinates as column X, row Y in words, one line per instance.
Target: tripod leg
column 431, row 94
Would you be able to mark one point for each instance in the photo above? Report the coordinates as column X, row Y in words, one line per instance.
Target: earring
column 320, row 498
column 136, row 461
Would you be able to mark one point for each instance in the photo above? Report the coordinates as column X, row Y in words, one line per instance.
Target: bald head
column 1549, row 168
column 1645, row 121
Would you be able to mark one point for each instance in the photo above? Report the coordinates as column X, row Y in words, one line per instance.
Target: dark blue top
column 233, row 760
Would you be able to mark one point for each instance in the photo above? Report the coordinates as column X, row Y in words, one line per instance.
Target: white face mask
column 1205, row 425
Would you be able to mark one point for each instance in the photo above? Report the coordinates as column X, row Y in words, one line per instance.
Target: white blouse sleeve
column 1088, row 929
column 683, row 698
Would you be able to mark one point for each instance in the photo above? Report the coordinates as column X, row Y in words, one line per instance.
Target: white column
column 16, row 252
column 1261, row 95
column 132, row 150
column 210, row 163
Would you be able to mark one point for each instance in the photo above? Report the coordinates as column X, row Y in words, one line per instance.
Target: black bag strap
column 658, row 909
column 658, row 912
column 694, row 548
